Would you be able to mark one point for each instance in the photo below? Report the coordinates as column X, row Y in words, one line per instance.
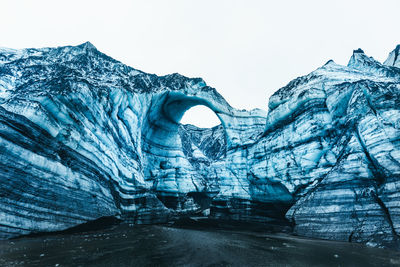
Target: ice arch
column 166, row 108
column 160, row 141
column 164, row 162
column 162, row 120
column 172, row 176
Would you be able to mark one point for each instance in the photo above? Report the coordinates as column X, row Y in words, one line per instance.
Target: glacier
column 84, row 136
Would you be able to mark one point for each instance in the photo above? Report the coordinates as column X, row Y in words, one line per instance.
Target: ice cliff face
column 342, row 150
column 84, row 136
column 394, row 58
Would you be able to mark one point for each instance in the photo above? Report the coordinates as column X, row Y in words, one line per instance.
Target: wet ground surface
column 176, row 246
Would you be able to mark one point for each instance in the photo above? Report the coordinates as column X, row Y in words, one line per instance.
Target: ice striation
column 84, row 136
column 394, row 58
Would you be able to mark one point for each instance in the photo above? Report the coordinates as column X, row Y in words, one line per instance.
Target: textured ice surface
column 394, row 58
column 84, row 136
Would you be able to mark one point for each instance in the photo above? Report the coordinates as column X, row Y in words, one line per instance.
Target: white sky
column 245, row 49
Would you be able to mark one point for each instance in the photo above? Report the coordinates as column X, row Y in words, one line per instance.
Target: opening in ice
column 201, row 117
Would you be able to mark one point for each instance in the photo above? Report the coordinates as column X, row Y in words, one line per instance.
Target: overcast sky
column 245, row 49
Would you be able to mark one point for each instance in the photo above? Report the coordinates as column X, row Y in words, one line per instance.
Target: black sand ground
column 187, row 246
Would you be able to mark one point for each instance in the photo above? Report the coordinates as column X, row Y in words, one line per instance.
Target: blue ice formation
column 84, row 136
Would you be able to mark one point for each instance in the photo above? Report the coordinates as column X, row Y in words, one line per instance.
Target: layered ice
column 84, row 136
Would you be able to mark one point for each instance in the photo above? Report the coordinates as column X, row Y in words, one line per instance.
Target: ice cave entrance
column 201, row 117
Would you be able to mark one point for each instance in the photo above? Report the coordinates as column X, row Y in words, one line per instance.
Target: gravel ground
column 176, row 246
